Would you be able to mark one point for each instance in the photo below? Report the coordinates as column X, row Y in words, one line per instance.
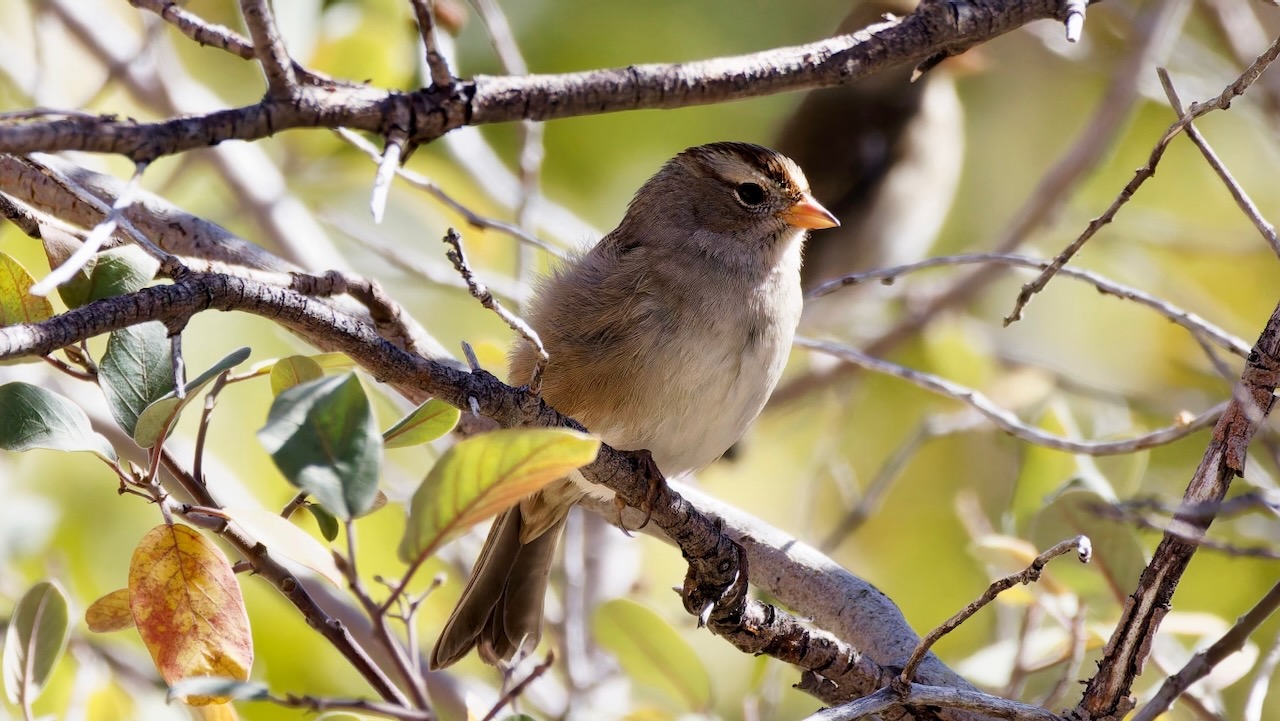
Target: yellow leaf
column 283, row 538
column 486, row 474
column 188, row 608
column 289, row 372
column 216, row 712
column 426, row 423
column 17, row 305
column 110, row 613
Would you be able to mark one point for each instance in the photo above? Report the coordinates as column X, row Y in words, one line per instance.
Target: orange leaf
column 187, row 604
column 110, row 613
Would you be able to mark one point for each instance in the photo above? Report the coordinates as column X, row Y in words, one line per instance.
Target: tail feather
column 501, row 606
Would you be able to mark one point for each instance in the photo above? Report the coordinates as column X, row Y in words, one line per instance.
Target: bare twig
column 191, row 25
column 1080, row 545
column 1006, row 420
column 386, row 171
column 97, row 237
column 269, row 47
column 474, row 219
column 1150, row 40
column 1261, row 683
column 423, row 10
column 1238, row 194
column 1178, row 527
column 206, row 416
column 1222, row 101
column 1197, row 325
column 514, row 692
column 482, row 294
column 1203, row 662
column 1075, row 656
column 315, row 704
column 887, row 699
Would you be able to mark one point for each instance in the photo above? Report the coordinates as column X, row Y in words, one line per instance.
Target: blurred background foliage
column 1079, row 363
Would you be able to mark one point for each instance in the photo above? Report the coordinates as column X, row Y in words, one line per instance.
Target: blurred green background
column 1079, row 363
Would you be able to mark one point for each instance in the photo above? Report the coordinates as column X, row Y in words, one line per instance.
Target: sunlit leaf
column 283, row 538
column 36, row 418
column 159, row 415
column 484, row 475
column 34, row 641
column 110, row 612
column 228, row 689
column 326, row 361
column 293, row 370
column 17, row 305
column 652, row 653
column 136, row 371
column 120, row 270
column 214, row 712
column 426, row 423
column 188, row 608
column 323, row 437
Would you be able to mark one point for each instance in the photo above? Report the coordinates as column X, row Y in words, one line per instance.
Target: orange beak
column 808, row 213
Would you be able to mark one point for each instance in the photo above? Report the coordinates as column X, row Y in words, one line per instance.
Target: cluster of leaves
column 182, row 595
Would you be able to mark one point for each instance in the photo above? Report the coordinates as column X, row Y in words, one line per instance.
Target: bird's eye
column 749, row 194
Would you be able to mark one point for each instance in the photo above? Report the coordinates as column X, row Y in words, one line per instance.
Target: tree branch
column 936, row 28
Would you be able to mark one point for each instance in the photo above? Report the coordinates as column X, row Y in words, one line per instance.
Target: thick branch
column 937, row 28
column 1107, row 695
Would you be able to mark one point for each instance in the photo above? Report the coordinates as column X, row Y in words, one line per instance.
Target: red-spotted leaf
column 486, row 474
column 188, row 608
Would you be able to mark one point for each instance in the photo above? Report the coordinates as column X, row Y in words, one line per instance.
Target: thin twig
column 482, row 294
column 206, row 416
column 887, row 699
column 269, row 48
column 1148, row 42
column 1178, row 527
column 298, row 501
column 423, row 10
column 1005, row 419
column 1075, row 656
column 194, row 27
column 1261, row 683
column 317, row 705
column 99, row 235
column 1203, row 662
column 473, row 219
column 386, row 172
column 1221, row 102
column 1080, row 545
column 531, row 132
column 515, row 691
column 1238, row 193
column 1195, row 324
column 69, row 369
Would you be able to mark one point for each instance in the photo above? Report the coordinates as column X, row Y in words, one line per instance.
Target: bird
column 884, row 154
column 667, row 336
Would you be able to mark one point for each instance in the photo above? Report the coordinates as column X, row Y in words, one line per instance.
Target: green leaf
column 36, row 638
column 59, row 245
column 652, row 653
column 427, row 422
column 219, row 687
column 136, row 371
column 120, row 270
column 289, row 372
column 36, row 418
column 486, row 474
column 17, row 305
column 323, row 437
column 325, row 520
column 157, row 417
